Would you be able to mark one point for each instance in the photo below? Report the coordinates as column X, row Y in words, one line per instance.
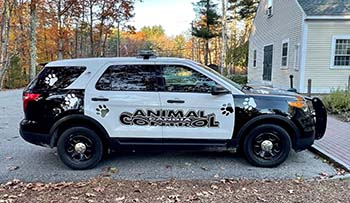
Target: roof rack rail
column 146, row 54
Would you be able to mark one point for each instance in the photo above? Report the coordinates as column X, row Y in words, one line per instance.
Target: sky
column 175, row 16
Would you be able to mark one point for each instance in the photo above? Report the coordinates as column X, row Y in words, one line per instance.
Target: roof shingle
column 325, row 7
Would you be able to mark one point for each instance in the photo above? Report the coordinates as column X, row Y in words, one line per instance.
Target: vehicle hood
column 263, row 90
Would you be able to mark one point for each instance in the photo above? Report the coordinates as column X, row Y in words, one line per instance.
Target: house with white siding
column 309, row 39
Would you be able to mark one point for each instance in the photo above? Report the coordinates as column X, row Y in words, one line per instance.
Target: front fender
column 284, row 122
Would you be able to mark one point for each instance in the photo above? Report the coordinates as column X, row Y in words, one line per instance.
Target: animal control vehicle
column 85, row 107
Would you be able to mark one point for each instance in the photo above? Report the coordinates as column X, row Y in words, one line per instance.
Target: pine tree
column 243, row 9
column 206, row 24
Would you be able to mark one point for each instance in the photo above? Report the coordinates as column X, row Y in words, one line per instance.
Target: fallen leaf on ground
column 90, row 195
column 12, row 168
column 119, row 199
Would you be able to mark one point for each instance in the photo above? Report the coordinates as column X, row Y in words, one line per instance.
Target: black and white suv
column 85, row 107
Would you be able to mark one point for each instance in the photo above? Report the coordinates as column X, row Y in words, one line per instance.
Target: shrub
column 15, row 76
column 338, row 102
column 240, row 79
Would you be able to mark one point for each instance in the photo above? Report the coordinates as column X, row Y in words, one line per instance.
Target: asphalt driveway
column 21, row 160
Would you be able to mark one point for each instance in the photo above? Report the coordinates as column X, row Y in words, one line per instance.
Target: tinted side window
column 129, row 78
column 183, row 79
column 53, row 78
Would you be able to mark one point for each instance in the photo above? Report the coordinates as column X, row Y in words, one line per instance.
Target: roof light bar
column 146, row 54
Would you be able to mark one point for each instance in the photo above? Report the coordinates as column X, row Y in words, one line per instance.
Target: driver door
column 191, row 111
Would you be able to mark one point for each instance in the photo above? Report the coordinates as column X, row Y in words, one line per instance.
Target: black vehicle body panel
column 274, row 109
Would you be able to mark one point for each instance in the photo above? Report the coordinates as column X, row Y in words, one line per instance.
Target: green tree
column 153, row 37
column 206, row 24
column 153, row 31
column 179, row 45
column 243, row 9
column 240, row 11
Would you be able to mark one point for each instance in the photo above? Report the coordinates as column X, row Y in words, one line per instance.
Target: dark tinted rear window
column 129, row 78
column 52, row 78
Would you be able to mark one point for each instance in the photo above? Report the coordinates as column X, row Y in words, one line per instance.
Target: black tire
column 84, row 160
column 266, row 135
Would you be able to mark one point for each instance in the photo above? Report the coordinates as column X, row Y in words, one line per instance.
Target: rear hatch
column 39, row 95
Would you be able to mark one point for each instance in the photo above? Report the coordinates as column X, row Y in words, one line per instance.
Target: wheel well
column 75, row 122
column 290, row 128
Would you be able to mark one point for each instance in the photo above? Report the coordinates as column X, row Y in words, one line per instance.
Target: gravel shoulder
column 109, row 190
column 21, row 160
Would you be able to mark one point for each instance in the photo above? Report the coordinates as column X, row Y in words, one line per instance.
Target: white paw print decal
column 51, row 79
column 249, row 103
column 102, row 110
column 70, row 101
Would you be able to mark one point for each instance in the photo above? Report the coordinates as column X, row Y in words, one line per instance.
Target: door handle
column 99, row 99
column 176, row 101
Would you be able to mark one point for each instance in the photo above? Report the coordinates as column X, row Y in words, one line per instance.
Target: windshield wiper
column 246, row 87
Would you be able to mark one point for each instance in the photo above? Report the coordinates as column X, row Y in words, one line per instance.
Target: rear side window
column 52, row 78
column 130, row 78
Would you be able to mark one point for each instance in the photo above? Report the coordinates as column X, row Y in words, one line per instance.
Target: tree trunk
column 5, row 40
column 82, row 34
column 207, row 40
column 76, row 41
column 118, row 39
column 101, row 42
column 33, row 23
column 60, row 31
column 2, row 32
column 104, row 44
column 91, row 30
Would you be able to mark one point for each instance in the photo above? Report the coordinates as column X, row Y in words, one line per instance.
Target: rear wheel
column 267, row 145
column 80, row 148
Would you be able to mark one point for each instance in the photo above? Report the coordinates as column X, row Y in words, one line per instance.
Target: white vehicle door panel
column 108, row 113
column 204, row 115
column 209, row 123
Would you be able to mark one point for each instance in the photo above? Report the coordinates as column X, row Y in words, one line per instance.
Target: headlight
column 300, row 103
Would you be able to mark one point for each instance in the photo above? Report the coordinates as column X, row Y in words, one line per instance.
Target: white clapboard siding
column 319, row 55
column 286, row 23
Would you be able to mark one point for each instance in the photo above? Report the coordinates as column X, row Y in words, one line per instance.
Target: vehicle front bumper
column 29, row 134
column 304, row 141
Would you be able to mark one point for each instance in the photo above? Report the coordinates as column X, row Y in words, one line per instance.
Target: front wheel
column 267, row 145
column 80, row 148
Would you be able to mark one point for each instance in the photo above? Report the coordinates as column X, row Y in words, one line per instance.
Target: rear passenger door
column 121, row 97
column 190, row 110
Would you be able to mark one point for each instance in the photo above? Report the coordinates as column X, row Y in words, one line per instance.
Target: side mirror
column 219, row 90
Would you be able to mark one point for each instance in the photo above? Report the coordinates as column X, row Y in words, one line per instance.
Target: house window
column 254, row 59
column 285, row 50
column 342, row 52
column 269, row 8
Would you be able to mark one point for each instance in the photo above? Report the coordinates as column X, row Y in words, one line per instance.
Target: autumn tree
column 5, row 27
column 206, row 25
column 240, row 12
column 33, row 24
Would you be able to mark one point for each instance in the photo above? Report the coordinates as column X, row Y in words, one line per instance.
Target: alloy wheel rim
column 267, row 146
column 79, row 148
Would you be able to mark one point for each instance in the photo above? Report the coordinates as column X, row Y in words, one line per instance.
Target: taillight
column 27, row 97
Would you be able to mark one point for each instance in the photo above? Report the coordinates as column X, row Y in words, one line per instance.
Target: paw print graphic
column 102, row 110
column 249, row 103
column 226, row 109
column 51, row 79
column 70, row 101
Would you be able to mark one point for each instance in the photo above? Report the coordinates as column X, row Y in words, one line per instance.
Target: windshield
column 239, row 87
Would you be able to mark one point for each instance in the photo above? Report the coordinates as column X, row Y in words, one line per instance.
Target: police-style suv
column 85, row 107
